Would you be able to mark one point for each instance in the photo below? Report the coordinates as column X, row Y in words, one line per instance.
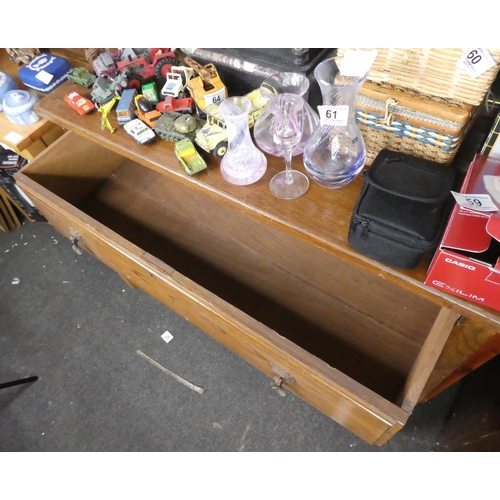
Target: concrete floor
column 73, row 322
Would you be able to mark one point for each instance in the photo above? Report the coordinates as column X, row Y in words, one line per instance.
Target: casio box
column 467, row 262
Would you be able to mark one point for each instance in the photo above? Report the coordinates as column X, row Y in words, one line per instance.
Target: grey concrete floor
column 73, row 322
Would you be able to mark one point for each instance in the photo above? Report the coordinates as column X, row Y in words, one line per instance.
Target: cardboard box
column 467, row 262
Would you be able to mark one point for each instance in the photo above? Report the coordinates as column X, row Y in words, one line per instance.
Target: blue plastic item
column 6, row 83
column 126, row 106
column 45, row 73
column 18, row 107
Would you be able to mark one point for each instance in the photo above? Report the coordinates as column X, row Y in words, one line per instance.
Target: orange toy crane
column 206, row 88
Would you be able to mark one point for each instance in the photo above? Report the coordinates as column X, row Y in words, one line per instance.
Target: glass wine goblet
column 287, row 131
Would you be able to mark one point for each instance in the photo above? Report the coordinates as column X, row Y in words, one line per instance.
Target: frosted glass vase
column 243, row 162
column 335, row 153
column 283, row 83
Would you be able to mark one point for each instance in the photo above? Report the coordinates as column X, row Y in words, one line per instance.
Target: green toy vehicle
column 81, row 76
column 150, row 92
column 173, row 126
column 190, row 159
column 102, row 91
column 105, row 89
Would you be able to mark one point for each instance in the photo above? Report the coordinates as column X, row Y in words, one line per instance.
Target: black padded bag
column 402, row 209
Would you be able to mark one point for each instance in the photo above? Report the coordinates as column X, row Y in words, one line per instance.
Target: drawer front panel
column 360, row 410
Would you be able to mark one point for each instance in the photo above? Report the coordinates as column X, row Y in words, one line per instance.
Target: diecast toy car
column 79, row 103
column 104, row 65
column 139, row 131
column 145, row 111
column 81, row 76
column 190, row 159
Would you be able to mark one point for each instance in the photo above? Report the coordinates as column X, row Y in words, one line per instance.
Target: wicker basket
column 432, row 72
column 411, row 124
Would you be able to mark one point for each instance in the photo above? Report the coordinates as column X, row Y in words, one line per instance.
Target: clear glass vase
column 243, row 162
column 283, row 83
column 335, row 153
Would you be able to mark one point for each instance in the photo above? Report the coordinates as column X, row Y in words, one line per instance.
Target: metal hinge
column 75, row 238
column 76, row 235
column 278, row 380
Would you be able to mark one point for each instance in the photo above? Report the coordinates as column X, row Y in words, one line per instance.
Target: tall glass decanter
column 243, row 162
column 335, row 153
column 283, row 83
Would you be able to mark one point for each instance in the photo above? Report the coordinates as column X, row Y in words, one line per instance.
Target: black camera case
column 402, row 209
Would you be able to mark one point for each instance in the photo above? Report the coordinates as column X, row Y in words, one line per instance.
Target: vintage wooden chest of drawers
column 273, row 280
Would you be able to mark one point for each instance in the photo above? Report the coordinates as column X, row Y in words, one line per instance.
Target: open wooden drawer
column 355, row 345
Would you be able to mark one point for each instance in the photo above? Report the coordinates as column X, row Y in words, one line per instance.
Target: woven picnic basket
column 411, row 123
column 432, row 72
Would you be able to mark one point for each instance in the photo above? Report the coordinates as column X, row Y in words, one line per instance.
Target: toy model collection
column 160, row 93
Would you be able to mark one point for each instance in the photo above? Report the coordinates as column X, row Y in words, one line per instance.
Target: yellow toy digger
column 206, row 88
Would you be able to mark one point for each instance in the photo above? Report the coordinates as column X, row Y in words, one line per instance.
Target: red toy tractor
column 153, row 63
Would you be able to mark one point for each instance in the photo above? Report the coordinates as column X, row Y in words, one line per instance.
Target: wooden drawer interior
column 359, row 323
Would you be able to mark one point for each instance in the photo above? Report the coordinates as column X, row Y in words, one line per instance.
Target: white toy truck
column 176, row 82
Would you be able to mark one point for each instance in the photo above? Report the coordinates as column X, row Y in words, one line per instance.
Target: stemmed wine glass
column 287, row 131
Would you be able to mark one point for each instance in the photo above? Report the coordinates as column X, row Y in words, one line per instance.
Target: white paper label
column 357, row 62
column 215, row 97
column 44, row 77
column 476, row 202
column 167, row 336
column 476, row 62
column 13, row 137
column 334, row 115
